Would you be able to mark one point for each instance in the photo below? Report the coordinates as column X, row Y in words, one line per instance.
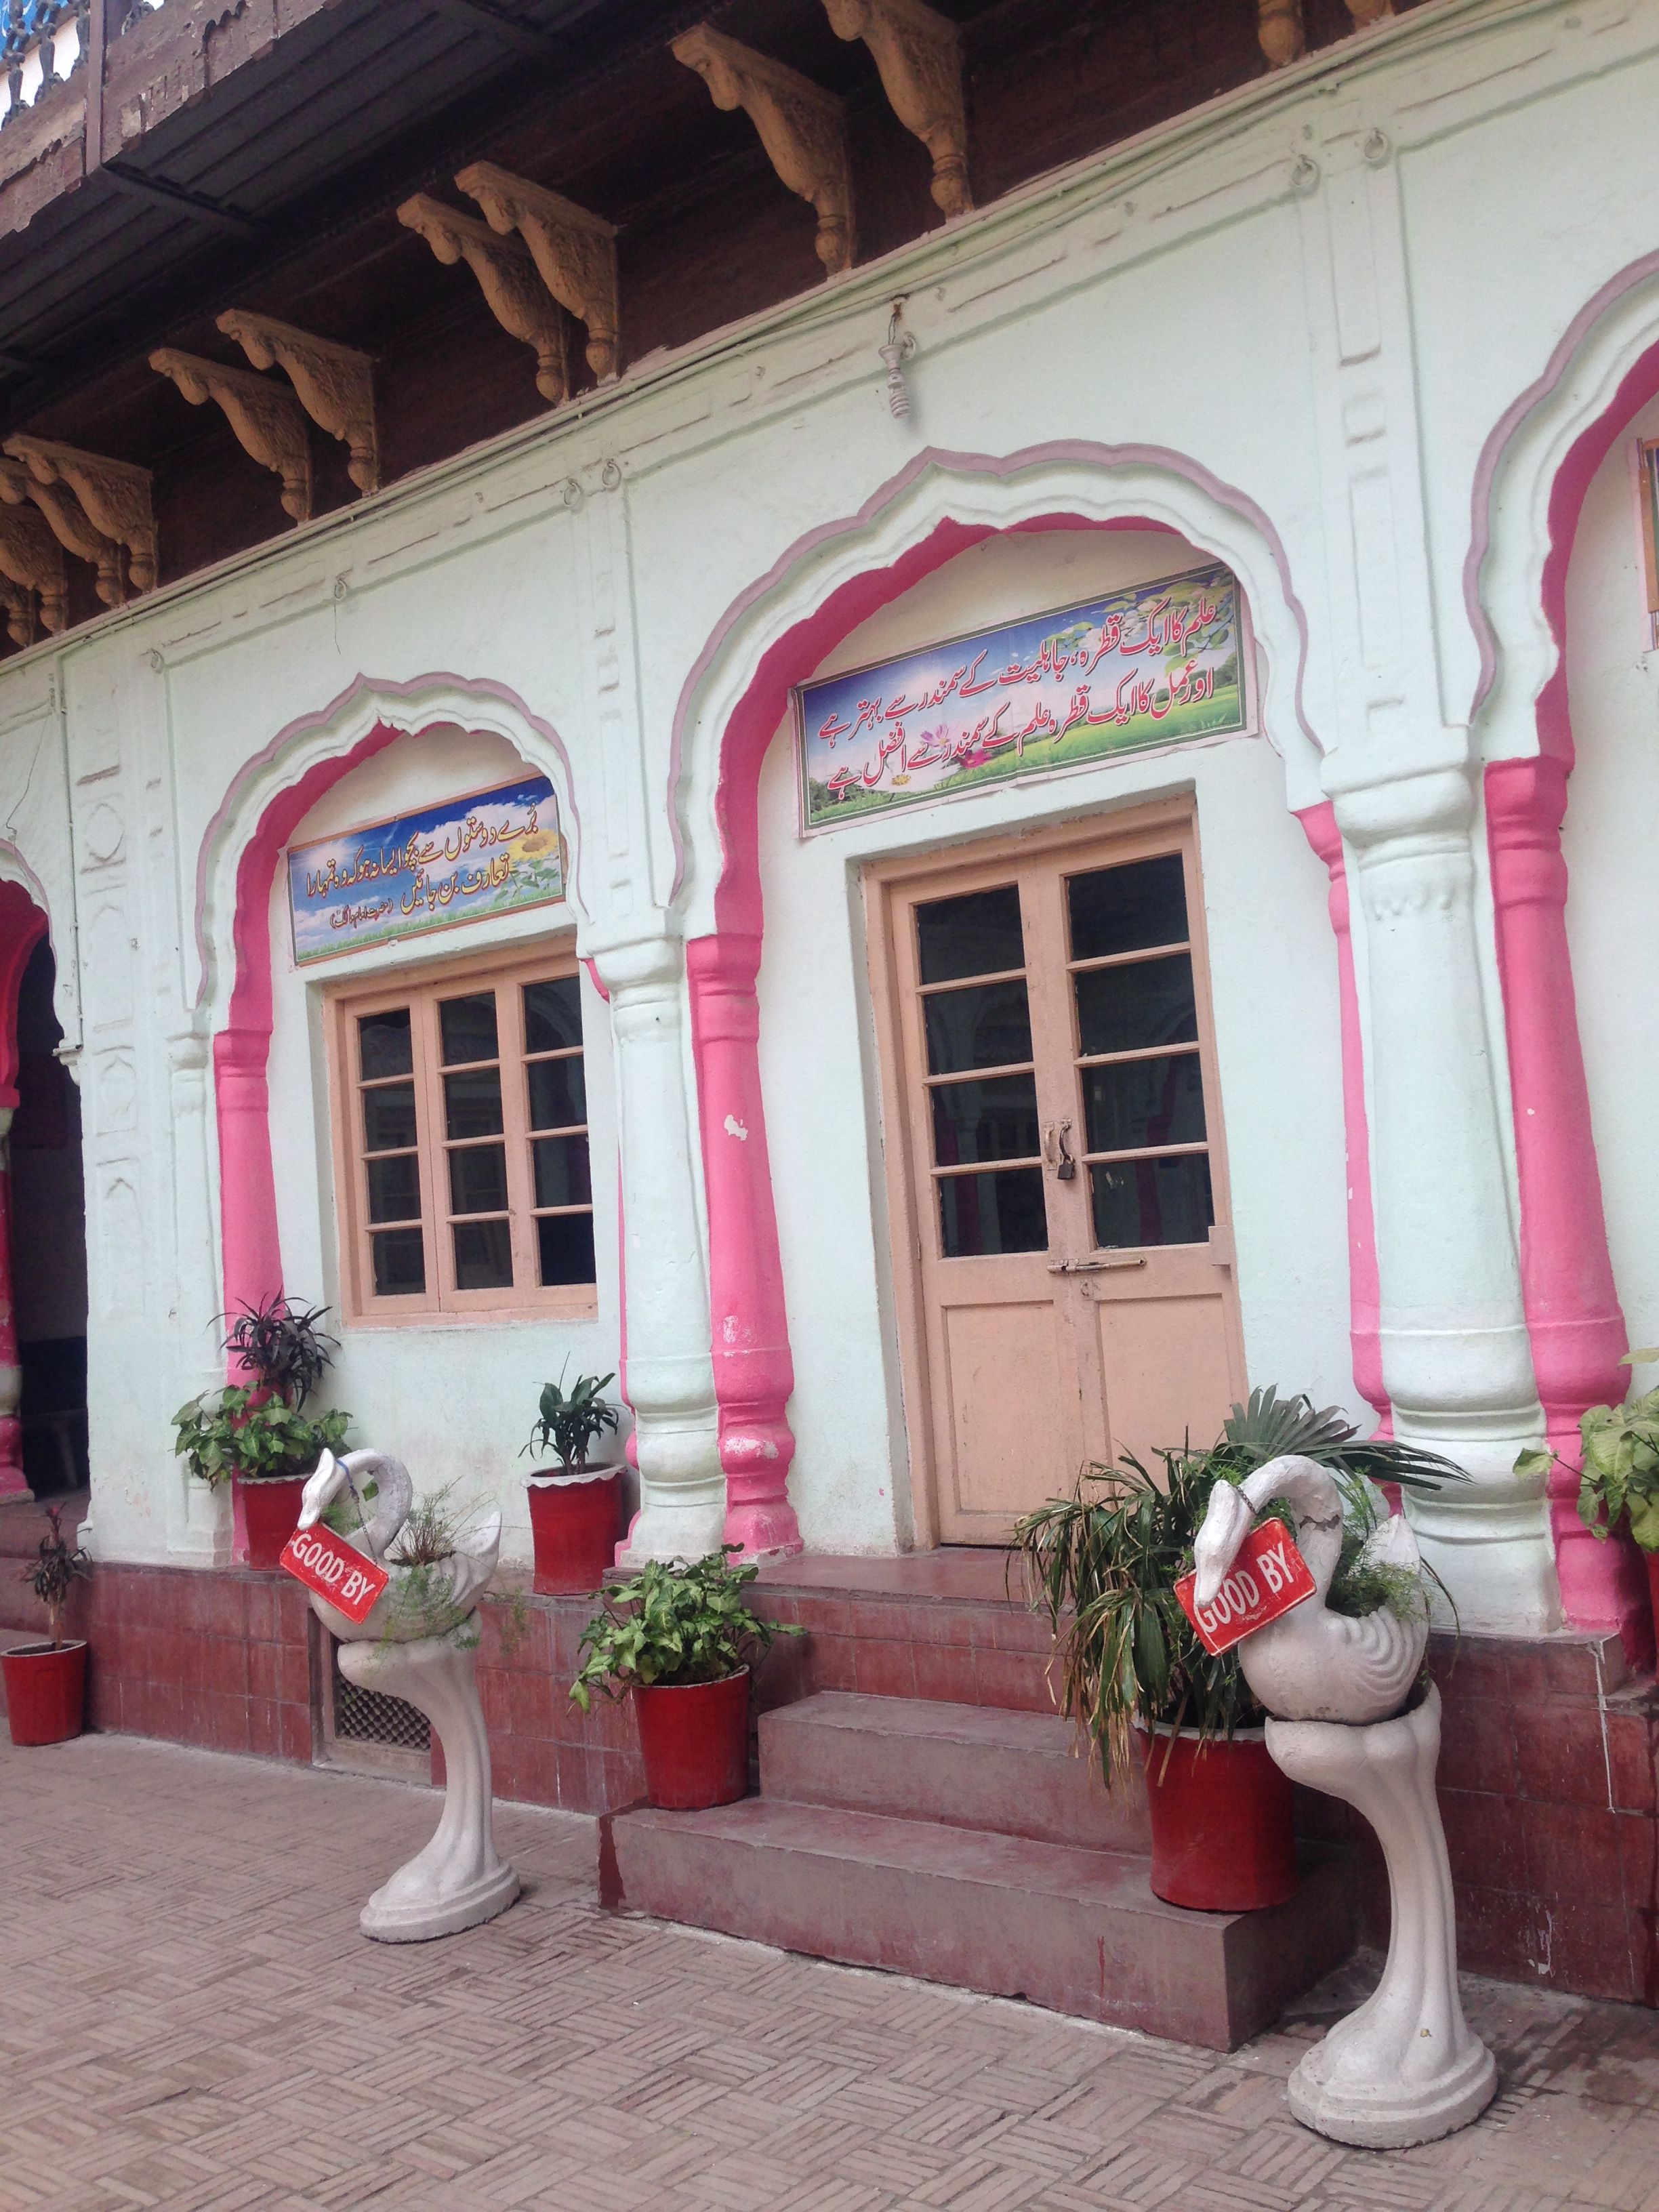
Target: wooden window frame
column 504, row 972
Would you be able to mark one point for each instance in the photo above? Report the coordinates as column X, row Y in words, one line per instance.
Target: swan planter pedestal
column 1405, row 2067
column 419, row 1642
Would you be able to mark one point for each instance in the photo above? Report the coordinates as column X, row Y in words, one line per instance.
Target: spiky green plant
column 1103, row 1565
column 571, row 1423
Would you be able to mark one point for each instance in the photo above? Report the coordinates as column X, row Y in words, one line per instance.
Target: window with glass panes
column 461, row 1129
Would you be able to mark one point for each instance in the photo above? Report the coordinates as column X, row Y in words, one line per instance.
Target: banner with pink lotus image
column 491, row 853
column 1149, row 665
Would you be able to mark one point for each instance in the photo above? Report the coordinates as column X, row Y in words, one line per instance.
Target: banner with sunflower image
column 492, row 852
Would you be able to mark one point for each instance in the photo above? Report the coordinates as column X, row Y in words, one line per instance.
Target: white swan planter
column 426, row 1655
column 1405, row 2067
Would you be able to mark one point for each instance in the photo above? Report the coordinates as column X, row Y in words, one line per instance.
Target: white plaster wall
column 1209, row 289
column 1610, row 839
column 453, row 1397
column 1273, row 978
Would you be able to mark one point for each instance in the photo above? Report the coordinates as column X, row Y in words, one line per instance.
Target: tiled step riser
column 1209, row 1979
column 1017, row 1774
column 957, row 1651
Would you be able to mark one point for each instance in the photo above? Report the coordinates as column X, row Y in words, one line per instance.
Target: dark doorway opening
column 48, row 1243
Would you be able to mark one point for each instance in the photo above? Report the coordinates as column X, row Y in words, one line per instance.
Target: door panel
column 1063, row 1185
column 1169, row 1364
column 1010, row 1404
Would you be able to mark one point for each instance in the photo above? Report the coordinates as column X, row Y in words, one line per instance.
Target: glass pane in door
column 976, row 1016
column 1139, row 1069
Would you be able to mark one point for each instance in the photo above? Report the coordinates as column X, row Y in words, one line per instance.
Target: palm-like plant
column 1104, row 1563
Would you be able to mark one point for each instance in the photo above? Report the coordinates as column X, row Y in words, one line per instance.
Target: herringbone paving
column 190, row 2020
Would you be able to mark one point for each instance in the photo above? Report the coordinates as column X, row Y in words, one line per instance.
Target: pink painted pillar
column 754, row 1374
column 1573, row 1315
column 1365, row 1296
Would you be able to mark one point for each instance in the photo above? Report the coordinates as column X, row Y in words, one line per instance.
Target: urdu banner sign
column 1150, row 664
column 491, row 853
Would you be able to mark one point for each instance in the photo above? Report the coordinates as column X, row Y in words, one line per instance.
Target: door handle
column 1058, row 1151
column 1095, row 1266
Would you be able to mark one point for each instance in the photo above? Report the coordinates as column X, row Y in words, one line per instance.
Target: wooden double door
column 1066, row 1267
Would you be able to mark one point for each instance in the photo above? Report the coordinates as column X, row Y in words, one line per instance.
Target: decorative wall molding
column 508, row 279
column 114, row 495
column 32, row 560
column 336, row 384
column 574, row 251
column 1281, row 31
column 269, row 421
column 69, row 525
column 801, row 126
column 919, row 55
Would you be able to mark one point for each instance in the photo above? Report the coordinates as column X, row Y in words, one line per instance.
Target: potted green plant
column 681, row 1640
column 574, row 1508
column 1103, row 1564
column 256, row 1434
column 1618, row 1472
column 46, row 1683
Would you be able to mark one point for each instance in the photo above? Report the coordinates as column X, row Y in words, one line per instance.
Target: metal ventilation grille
column 371, row 1717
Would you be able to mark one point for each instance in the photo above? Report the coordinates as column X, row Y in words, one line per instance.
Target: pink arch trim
column 752, row 1365
column 1574, row 1320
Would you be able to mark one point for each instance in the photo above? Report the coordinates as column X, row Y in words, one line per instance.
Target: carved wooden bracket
column 1367, row 12
column 268, row 420
column 68, row 521
column 574, row 251
column 108, row 501
column 31, row 558
column 507, row 277
column 800, row 124
column 336, row 384
column 919, row 55
column 17, row 604
column 1281, row 31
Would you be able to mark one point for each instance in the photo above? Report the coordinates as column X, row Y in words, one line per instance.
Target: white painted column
column 198, row 1519
column 670, row 1378
column 1456, row 1357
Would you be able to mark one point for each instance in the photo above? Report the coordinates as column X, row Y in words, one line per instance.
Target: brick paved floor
column 190, row 2020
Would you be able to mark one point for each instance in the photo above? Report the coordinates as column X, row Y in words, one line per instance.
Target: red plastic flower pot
column 1652, row 1559
column 694, row 1742
column 572, row 1527
column 1223, row 1834
column 46, row 1691
column 270, row 1509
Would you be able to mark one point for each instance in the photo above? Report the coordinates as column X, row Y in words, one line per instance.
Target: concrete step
column 1077, row 1930
column 973, row 1767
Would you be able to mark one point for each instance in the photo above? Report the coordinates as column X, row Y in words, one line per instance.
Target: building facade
column 941, row 1096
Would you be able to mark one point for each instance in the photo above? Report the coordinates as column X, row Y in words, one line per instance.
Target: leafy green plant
column 56, row 1567
column 420, row 1599
column 1103, row 1565
column 237, row 1432
column 282, row 1347
column 570, row 1425
column 1619, row 1478
column 673, row 1625
column 257, row 1430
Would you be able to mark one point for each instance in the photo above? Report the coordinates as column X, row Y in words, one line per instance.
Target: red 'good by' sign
column 1269, row 1577
column 325, row 1563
